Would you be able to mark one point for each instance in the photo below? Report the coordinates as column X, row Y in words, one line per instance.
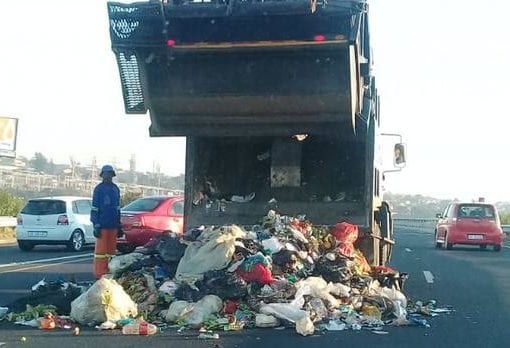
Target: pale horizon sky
column 441, row 67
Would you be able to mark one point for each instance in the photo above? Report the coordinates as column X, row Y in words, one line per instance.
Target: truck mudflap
column 274, row 68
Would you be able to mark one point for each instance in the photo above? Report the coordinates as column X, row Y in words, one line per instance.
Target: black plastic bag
column 223, row 284
column 193, row 234
column 338, row 271
column 170, row 248
column 56, row 293
column 187, row 293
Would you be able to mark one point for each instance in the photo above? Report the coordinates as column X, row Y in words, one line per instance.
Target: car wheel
column 126, row 248
column 497, row 247
column 483, row 247
column 77, row 241
column 438, row 245
column 25, row 246
column 448, row 246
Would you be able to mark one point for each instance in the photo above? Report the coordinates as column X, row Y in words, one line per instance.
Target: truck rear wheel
column 386, row 230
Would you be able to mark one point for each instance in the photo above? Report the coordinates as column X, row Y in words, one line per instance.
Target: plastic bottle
column 47, row 323
column 140, row 328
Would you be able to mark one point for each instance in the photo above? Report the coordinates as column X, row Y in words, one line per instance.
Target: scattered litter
column 209, row 335
column 262, row 320
column 48, row 322
column 335, row 325
column 107, row 325
column 304, row 326
column 141, row 328
column 36, row 286
column 31, row 323
column 106, row 300
column 282, row 273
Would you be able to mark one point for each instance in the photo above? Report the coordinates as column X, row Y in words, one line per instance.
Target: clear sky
column 442, row 69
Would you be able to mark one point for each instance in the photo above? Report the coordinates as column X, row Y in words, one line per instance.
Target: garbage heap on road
column 283, row 272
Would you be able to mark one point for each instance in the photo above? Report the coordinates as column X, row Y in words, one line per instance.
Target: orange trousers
column 106, row 246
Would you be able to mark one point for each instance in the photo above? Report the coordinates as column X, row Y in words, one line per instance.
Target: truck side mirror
column 399, row 155
column 439, row 215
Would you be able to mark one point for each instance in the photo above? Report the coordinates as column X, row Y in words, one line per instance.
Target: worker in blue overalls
column 105, row 216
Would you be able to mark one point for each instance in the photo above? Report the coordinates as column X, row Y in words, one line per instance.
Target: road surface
column 476, row 283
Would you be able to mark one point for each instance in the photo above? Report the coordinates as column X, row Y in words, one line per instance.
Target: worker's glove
column 97, row 231
column 120, row 232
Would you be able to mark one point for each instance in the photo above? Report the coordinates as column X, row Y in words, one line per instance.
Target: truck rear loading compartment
column 204, row 68
column 322, row 176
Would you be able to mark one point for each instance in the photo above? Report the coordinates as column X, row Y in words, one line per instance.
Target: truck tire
column 386, row 227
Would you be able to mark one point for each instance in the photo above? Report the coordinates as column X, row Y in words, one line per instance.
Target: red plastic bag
column 258, row 274
column 346, row 234
column 230, row 307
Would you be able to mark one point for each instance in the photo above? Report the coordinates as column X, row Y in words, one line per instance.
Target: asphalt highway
column 475, row 282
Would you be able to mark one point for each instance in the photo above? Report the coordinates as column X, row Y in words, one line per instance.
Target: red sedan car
column 470, row 224
column 146, row 217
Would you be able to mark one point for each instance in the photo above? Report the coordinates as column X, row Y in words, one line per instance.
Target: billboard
column 8, row 135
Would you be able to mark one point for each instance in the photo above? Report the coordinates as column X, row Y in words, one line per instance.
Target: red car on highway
column 147, row 217
column 469, row 224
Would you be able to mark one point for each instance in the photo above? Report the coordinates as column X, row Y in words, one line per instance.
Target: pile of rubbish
column 283, row 272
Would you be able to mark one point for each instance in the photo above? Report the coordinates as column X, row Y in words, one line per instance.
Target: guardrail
column 8, row 221
column 416, row 223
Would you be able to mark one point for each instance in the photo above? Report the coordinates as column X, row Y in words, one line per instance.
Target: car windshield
column 476, row 211
column 44, row 207
column 143, row 204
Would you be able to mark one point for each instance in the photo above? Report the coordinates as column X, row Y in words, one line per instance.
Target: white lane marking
column 36, row 267
column 504, row 246
column 23, row 263
column 408, row 250
column 429, row 277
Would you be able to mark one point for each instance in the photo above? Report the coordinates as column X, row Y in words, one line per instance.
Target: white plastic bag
column 285, row 311
column 194, row 313
column 304, row 326
column 106, row 300
column 121, row 262
column 212, row 251
column 262, row 320
column 315, row 287
column 272, row 244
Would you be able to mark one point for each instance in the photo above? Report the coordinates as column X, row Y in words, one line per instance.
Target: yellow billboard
column 8, row 135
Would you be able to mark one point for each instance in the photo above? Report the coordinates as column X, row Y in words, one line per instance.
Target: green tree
column 10, row 205
column 505, row 218
column 39, row 162
column 129, row 197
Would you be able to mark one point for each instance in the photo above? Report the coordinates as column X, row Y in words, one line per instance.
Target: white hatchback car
column 55, row 220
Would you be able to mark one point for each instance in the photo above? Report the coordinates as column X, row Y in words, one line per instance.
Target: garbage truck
column 278, row 103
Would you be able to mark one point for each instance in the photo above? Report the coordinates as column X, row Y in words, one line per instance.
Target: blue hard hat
column 107, row 169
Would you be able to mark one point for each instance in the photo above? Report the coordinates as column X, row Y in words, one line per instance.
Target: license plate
column 475, row 236
column 37, row 233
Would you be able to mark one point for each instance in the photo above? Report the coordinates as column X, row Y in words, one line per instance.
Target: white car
column 55, row 220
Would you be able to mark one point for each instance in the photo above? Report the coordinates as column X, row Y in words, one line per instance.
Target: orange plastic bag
column 345, row 234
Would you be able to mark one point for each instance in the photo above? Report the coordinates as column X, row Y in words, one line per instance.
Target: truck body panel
column 276, row 99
